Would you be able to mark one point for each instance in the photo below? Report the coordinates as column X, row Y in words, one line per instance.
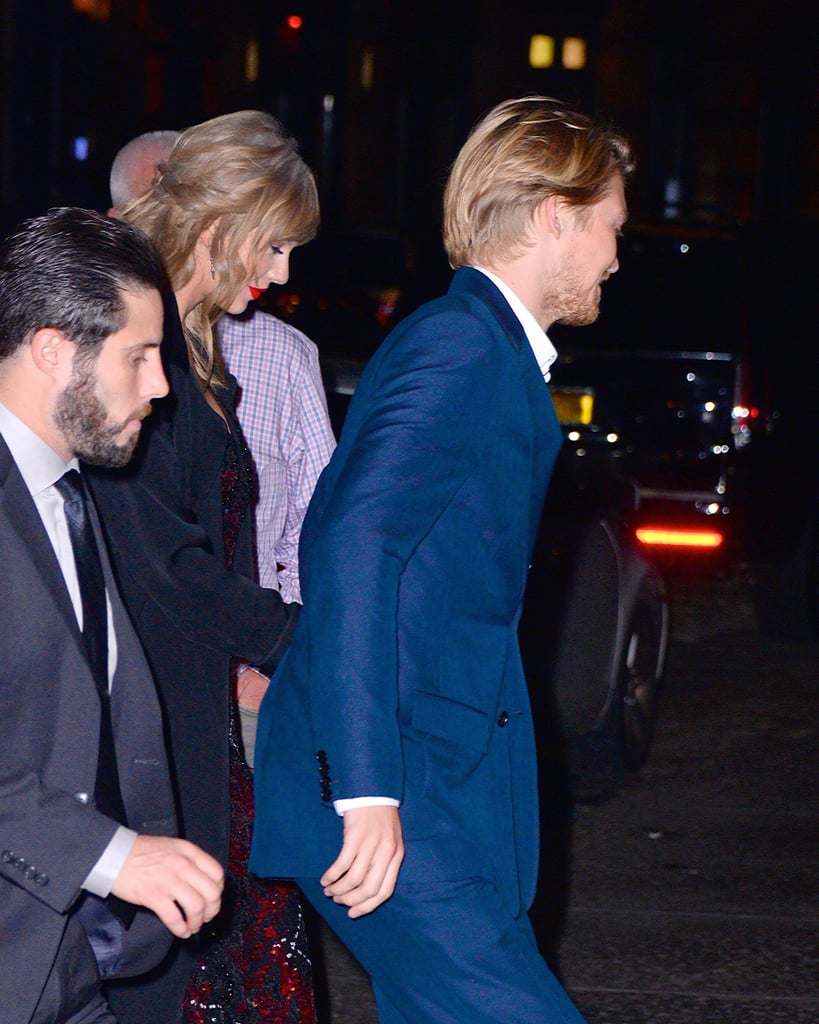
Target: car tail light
column 656, row 536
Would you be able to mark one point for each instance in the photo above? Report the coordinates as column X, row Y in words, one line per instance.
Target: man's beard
column 83, row 421
column 569, row 301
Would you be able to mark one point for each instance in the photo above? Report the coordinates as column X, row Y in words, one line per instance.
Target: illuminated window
column 541, row 51
column 252, row 60
column 367, row 68
column 574, row 53
column 100, row 10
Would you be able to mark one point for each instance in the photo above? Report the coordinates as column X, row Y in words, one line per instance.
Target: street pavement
column 693, row 894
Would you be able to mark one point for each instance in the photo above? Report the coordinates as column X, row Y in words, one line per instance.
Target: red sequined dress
column 257, row 970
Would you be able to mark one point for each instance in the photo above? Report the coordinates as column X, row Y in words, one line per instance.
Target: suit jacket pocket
column 451, row 721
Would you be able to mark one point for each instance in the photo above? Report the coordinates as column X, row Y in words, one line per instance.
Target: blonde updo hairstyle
column 241, row 176
column 521, row 152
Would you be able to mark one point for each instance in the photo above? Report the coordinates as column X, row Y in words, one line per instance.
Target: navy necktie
column 107, row 794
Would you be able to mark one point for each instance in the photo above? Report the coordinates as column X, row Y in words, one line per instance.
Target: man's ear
column 550, row 216
column 52, row 352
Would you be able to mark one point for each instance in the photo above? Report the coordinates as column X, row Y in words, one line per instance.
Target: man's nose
column 156, row 383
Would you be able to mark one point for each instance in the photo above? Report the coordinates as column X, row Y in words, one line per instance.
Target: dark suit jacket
column 50, row 834
column 404, row 676
column 162, row 515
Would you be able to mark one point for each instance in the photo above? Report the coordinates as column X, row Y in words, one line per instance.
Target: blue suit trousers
column 449, row 953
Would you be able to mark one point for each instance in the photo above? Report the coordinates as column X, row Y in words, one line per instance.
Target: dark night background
column 719, row 99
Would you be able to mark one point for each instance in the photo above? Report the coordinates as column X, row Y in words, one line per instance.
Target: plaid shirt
column 283, row 413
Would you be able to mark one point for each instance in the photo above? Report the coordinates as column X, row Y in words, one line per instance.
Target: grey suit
column 50, row 834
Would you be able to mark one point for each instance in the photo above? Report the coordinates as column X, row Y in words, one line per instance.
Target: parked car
column 698, row 382
column 595, row 626
column 659, row 385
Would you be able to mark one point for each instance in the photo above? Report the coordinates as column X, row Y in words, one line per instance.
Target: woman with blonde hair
column 230, row 203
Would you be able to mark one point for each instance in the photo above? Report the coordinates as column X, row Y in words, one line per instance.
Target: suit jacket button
column 30, row 872
column 82, row 798
column 7, row 856
column 503, row 718
column 41, row 879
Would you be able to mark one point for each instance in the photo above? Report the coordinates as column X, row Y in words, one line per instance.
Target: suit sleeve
column 416, row 430
column 49, row 842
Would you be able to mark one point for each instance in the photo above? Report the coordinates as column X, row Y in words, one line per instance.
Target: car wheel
column 639, row 684
column 622, row 738
column 596, row 760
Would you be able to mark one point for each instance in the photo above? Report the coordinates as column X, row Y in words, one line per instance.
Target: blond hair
column 521, row 152
column 241, row 176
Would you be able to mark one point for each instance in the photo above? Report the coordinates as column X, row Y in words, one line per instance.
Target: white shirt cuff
column 364, row 801
column 106, row 871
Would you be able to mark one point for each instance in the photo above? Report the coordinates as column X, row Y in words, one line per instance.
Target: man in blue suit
column 398, row 735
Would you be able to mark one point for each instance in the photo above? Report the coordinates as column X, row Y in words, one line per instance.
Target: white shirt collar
column 39, row 465
column 544, row 350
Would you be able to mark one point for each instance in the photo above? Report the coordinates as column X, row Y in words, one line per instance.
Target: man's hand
column 364, row 874
column 179, row 882
column 251, row 686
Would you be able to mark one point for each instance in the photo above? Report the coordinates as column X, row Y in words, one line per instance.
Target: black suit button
column 503, row 718
column 30, row 872
column 321, row 757
column 7, row 856
column 326, row 794
column 41, row 879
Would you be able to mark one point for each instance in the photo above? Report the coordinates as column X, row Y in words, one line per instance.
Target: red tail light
column 653, row 536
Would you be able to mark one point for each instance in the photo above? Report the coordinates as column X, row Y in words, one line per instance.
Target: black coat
column 163, row 518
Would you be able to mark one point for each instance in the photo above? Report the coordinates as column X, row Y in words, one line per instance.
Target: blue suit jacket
column 404, row 676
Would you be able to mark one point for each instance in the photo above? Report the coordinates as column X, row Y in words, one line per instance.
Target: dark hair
column 68, row 269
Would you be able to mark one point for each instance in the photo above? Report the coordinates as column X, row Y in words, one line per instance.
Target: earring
column 212, row 268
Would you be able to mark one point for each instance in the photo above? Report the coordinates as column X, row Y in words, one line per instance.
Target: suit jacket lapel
column 546, row 435
column 472, row 281
column 21, row 513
